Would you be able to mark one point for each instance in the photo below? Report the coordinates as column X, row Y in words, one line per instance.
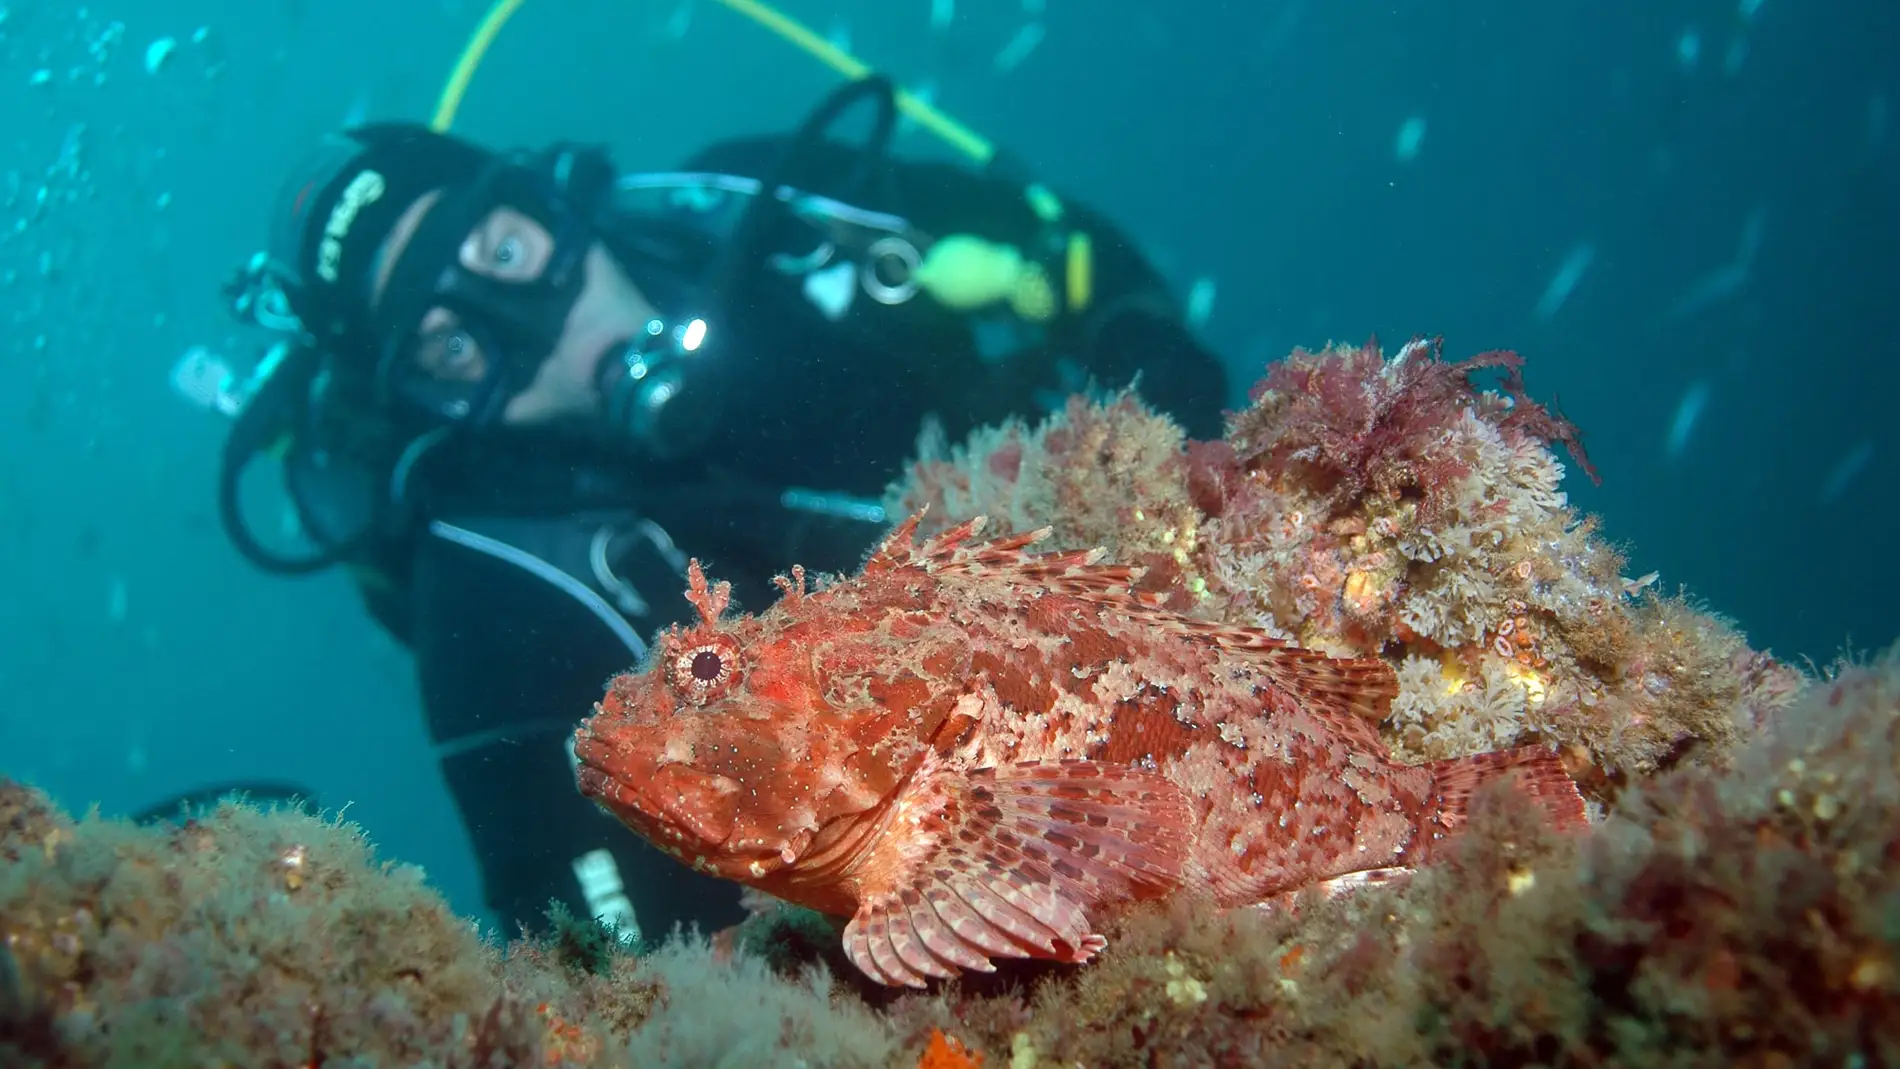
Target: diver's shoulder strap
column 624, row 571
column 750, row 157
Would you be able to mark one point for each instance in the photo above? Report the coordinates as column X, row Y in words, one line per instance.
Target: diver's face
column 509, row 246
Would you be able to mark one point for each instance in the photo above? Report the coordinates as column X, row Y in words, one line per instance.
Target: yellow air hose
column 1031, row 297
column 788, row 29
column 469, row 61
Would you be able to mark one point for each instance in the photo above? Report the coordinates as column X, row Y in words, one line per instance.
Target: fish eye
column 707, row 665
column 704, row 671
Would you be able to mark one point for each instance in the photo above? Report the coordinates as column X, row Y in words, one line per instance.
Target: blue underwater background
column 1683, row 212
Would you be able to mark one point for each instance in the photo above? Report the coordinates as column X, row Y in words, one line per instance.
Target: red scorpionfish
column 974, row 752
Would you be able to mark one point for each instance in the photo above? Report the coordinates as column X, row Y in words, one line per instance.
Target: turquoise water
column 1682, row 213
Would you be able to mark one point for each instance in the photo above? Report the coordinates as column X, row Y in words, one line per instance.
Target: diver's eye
column 450, row 354
column 704, row 671
column 507, row 245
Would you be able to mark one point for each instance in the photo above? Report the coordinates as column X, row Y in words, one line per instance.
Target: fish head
column 745, row 745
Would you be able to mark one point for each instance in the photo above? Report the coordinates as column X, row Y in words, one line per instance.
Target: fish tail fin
column 1538, row 773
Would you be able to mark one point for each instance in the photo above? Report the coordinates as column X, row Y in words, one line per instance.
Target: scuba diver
column 512, row 392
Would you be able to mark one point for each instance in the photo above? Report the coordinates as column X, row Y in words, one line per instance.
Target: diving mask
column 515, row 323
column 650, row 387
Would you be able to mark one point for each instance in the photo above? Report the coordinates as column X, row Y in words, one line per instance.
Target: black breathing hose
column 278, row 406
column 758, row 222
column 231, row 515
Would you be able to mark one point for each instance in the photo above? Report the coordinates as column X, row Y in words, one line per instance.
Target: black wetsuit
column 537, row 569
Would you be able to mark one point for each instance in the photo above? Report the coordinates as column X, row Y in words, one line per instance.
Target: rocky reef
column 248, row 937
column 1737, row 904
column 1742, row 916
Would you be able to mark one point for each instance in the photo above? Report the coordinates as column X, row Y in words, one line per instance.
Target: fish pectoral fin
column 1537, row 770
column 1010, row 862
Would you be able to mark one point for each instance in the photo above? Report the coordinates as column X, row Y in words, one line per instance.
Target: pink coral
column 1348, row 421
column 1116, row 475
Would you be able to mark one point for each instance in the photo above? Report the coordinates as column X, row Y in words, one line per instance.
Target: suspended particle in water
column 1845, row 471
column 1019, row 47
column 1200, row 303
column 1411, row 135
column 926, row 94
column 118, row 600
column 1688, row 413
column 1689, row 49
column 158, row 52
column 839, row 35
column 1569, row 273
column 679, row 22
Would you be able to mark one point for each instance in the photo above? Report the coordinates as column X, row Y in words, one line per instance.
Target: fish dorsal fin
column 1012, row 862
column 1350, row 696
column 1359, row 688
column 1006, row 558
column 900, row 547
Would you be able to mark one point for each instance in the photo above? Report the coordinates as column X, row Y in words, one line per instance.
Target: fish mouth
column 700, row 802
column 688, row 812
column 673, row 804
column 593, row 768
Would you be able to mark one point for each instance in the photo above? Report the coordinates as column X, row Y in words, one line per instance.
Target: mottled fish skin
column 976, row 752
